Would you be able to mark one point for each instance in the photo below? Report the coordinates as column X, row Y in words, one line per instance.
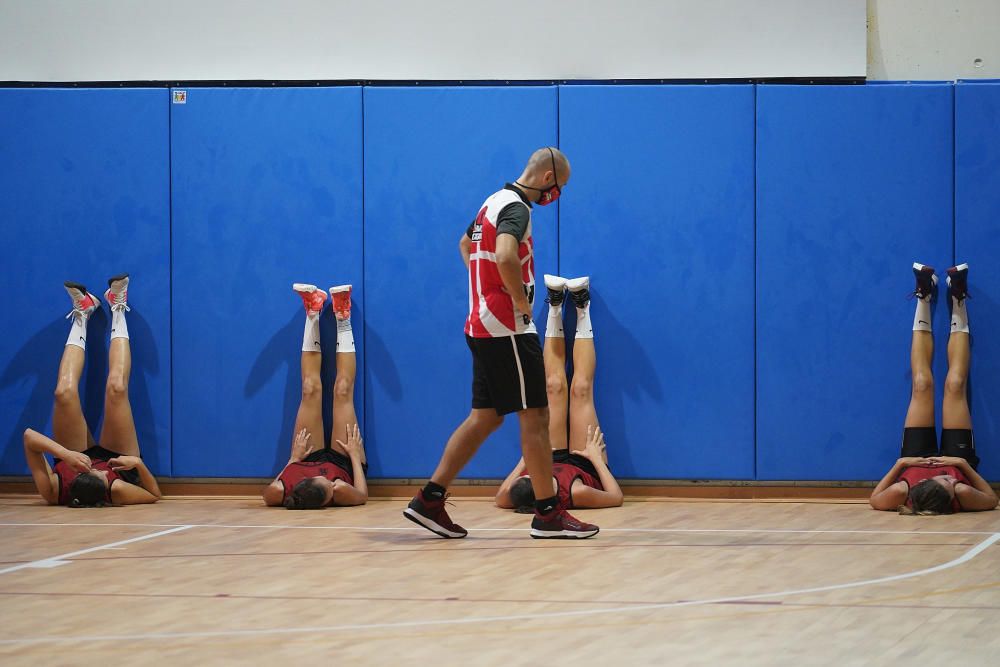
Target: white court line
column 522, row 530
column 967, row 556
column 55, row 560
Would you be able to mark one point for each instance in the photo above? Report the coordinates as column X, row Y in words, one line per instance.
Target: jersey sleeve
column 513, row 220
column 468, row 232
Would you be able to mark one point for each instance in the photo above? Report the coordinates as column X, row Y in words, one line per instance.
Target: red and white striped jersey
column 491, row 309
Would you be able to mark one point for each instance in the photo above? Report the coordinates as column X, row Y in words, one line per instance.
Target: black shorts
column 329, row 455
column 922, row 441
column 574, row 459
column 508, row 373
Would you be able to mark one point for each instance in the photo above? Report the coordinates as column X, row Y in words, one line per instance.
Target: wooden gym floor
column 678, row 582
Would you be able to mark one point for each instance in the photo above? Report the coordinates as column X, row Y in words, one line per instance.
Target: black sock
column 546, row 505
column 433, row 491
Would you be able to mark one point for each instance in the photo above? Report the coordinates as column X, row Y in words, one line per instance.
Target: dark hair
column 522, row 495
column 929, row 497
column 307, row 495
column 88, row 490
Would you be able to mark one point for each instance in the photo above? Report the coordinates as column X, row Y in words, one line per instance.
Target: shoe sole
column 432, row 526
column 557, row 283
column 305, row 288
column 577, row 284
column 339, row 288
column 120, row 276
column 563, row 534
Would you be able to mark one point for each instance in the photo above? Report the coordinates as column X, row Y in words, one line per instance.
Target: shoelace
column 553, row 299
column 580, row 298
column 120, row 306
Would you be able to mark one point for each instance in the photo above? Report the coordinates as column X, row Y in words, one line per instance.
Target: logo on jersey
column 477, row 232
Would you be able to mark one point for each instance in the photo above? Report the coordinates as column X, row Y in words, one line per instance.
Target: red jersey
column 296, row 472
column 566, row 474
column 491, row 309
column 913, row 475
column 66, row 476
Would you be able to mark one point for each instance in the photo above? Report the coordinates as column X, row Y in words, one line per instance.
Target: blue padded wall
column 431, row 157
column 659, row 213
column 266, row 192
column 977, row 241
column 85, row 196
column 854, row 183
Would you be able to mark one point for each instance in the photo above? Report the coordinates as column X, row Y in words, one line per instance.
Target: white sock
column 118, row 327
column 310, row 337
column 78, row 331
column 959, row 316
column 554, row 325
column 584, row 329
column 922, row 318
column 345, row 336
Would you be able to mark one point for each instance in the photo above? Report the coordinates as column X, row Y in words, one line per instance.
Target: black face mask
column 548, row 195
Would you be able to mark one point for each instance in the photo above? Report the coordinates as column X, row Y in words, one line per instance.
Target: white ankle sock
column 554, row 325
column 922, row 318
column 118, row 327
column 959, row 316
column 78, row 331
column 584, row 329
column 345, row 336
column 310, row 337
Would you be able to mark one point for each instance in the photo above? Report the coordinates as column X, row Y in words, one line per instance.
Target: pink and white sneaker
column 341, row 295
column 117, row 293
column 313, row 297
column 84, row 303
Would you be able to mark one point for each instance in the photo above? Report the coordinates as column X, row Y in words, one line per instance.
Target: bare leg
column 582, row 412
column 554, row 353
column 464, row 443
column 955, row 405
column 118, row 432
column 921, row 410
column 69, row 426
column 310, row 414
column 344, row 416
column 536, row 450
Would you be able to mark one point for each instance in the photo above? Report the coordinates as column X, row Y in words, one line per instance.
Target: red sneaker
column 341, row 295
column 84, row 303
column 559, row 524
column 117, row 293
column 432, row 515
column 313, row 297
column 958, row 282
column 926, row 280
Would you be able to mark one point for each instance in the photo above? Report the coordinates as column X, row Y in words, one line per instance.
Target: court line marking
column 520, row 530
column 967, row 556
column 53, row 561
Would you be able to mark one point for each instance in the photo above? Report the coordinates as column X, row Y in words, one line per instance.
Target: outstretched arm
column 502, row 499
column 588, row 497
column 36, row 446
column 889, row 494
column 274, row 493
column 344, row 494
column 976, row 498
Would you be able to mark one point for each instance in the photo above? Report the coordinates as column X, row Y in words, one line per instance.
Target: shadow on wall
column 384, row 373
column 38, row 362
column 636, row 379
column 280, row 351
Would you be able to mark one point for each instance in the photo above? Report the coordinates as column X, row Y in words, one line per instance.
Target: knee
column 343, row 388
column 954, row 384
column 555, row 385
column 312, row 388
column 923, row 382
column 66, row 394
column 117, row 389
column 582, row 388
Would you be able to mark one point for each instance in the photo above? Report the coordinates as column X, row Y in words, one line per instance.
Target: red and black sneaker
column 958, row 282
column 432, row 515
column 560, row 524
column 926, row 280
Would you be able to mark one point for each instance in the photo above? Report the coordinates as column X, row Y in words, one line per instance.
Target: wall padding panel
column 85, row 196
column 431, row 157
column 659, row 213
column 854, row 183
column 266, row 192
column 977, row 241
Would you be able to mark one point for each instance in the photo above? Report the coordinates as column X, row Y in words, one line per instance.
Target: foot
column 557, row 290
column 579, row 291
column 926, row 280
column 432, row 515
column 313, row 297
column 559, row 524
column 341, row 295
column 117, row 293
column 958, row 282
column 84, row 303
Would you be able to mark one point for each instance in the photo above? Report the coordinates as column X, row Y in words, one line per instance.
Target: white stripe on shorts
column 520, row 373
